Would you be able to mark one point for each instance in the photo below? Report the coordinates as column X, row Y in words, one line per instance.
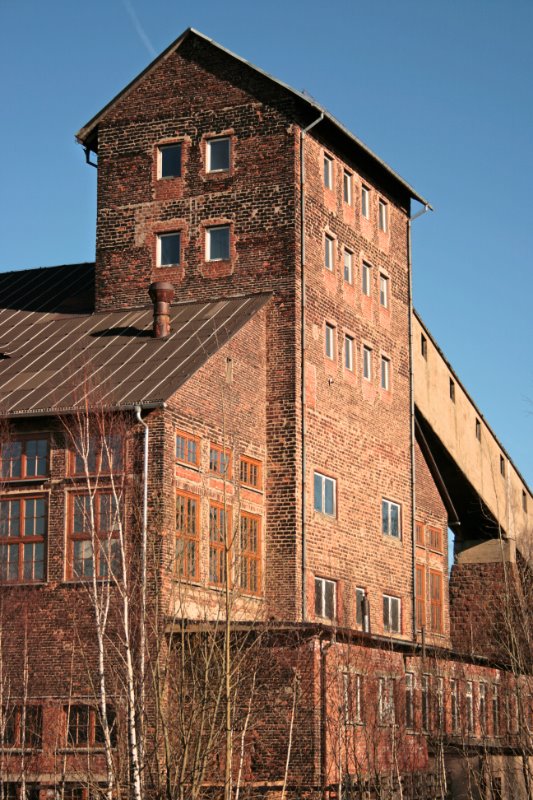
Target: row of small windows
column 220, row 460
column 22, row 726
column 347, row 195
column 28, row 457
column 348, row 271
column 217, row 246
column 217, row 152
column 326, row 606
column 367, row 359
column 325, row 501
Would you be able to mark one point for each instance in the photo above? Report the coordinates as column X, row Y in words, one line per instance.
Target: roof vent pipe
column 161, row 295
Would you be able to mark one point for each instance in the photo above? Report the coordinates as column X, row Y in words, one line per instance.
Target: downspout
column 324, row 647
column 303, row 133
column 412, row 408
column 144, row 548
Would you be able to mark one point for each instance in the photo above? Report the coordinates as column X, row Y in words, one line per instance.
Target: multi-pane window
column 454, row 704
column 392, row 614
column 352, row 687
column 24, row 458
column 361, row 609
column 187, row 449
column 383, row 291
column 469, row 706
column 383, row 220
column 495, row 709
column 22, row 727
column 23, row 529
column 218, row 154
column 328, row 252
column 425, row 699
column 250, row 553
column 13, row 791
column 386, row 710
column 98, row 454
column 84, row 726
column 482, row 690
column 409, row 700
column 217, row 243
column 325, row 598
column 218, row 543
column 367, row 363
column 435, row 597
column 348, row 266
column 385, row 373
column 434, row 537
column 366, row 279
column 390, row 519
column 325, row 490
column 328, row 171
column 347, row 187
column 439, row 706
column 187, row 535
column 170, row 161
column 348, row 352
column 365, row 201
column 169, row 249
column 94, row 522
column 419, row 533
column 220, row 461
column 420, row 594
column 329, row 341
column 250, row 472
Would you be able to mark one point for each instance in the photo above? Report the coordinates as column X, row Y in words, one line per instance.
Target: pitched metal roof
column 51, row 362
column 88, row 134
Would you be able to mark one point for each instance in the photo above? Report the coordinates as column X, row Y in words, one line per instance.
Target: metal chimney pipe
column 161, row 295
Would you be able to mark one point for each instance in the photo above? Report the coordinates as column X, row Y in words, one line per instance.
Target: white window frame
column 482, row 707
column 160, row 150
column 383, row 216
column 496, row 710
column 387, row 624
column 383, row 290
column 352, row 689
column 328, row 171
column 348, row 265
column 329, row 341
column 348, row 352
column 365, row 201
column 367, row 363
column 469, row 706
column 386, row 527
column 208, row 232
column 329, row 250
column 386, row 706
column 325, row 479
column 323, row 582
column 366, row 279
column 347, row 180
column 208, row 153
column 385, row 373
column 166, row 235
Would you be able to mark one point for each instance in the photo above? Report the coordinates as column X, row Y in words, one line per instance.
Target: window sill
column 193, row 467
column 16, row 481
column 7, row 750
column 84, row 748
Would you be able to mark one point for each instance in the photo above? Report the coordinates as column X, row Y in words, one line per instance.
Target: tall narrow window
column 383, row 291
column 502, row 466
column 353, row 698
column 347, row 187
column 392, row 614
column 187, row 449
column 454, row 704
column 386, row 711
column 169, row 249
column 435, row 538
column 361, row 610
column 23, row 530
column 419, row 534
column 435, row 593
column 348, row 266
column 250, row 472
column 452, row 390
column 478, row 430
column 325, row 600
column 328, row 252
column 439, row 706
column 482, row 690
column 420, row 591
column 409, row 700
column 330, row 341
column 250, row 571
column 169, row 161
column 24, row 458
column 425, row 697
column 94, row 527
column 187, row 536
column 423, row 346
column 469, row 707
column 328, row 171
column 218, row 541
column 365, row 201
column 383, row 216
column 325, row 490
column 217, row 243
column 348, row 353
column 366, row 279
column 220, row 461
column 218, row 154
column 385, row 373
column 495, row 710
column 524, row 501
column 390, row 519
column 367, row 363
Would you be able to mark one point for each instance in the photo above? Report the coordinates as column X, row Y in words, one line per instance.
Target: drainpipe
column 324, row 647
column 303, row 133
column 144, row 543
column 412, row 406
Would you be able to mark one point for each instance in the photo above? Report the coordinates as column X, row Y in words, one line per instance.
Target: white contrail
column 139, row 28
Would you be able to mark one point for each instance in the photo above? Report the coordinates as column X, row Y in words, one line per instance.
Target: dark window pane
column 318, row 492
column 318, row 597
column 329, row 504
column 171, row 161
column 170, row 249
column 219, row 244
column 330, row 599
column 219, row 155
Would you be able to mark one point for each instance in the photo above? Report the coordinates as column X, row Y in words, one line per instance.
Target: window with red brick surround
column 84, row 727
column 23, row 530
column 434, row 537
column 93, row 525
column 23, row 727
column 420, row 595
column 435, row 596
column 220, row 461
column 98, row 455
column 250, row 472
column 250, row 568
column 187, row 449
column 25, row 457
column 219, row 532
column 186, row 556
column 419, row 534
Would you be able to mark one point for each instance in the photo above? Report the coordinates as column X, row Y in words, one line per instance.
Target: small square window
column 218, row 155
column 366, row 279
column 170, row 161
column 328, row 252
column 347, row 187
column 390, row 519
column 392, row 608
column 330, row 341
column 348, row 266
column 385, row 373
column 367, row 363
column 217, row 243
column 169, row 250
column 348, row 353
column 383, row 216
column 365, row 201
column 423, row 346
column 328, row 171
column 383, row 291
column 478, row 430
column 325, row 599
column 325, row 491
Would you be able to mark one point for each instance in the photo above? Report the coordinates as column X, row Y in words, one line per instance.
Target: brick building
column 306, row 448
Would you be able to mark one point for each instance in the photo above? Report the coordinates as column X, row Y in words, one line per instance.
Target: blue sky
column 441, row 91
